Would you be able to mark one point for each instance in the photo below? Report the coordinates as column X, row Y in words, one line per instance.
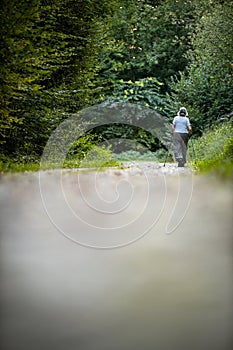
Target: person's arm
column 189, row 128
column 173, row 125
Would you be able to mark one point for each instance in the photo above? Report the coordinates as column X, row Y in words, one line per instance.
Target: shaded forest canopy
column 58, row 57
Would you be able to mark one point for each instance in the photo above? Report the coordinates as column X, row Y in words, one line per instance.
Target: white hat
column 183, row 111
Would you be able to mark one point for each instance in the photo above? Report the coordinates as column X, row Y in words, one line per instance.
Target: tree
column 148, row 39
column 206, row 89
column 48, row 52
column 16, row 50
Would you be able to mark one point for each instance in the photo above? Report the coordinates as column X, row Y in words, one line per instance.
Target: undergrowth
column 96, row 157
column 214, row 151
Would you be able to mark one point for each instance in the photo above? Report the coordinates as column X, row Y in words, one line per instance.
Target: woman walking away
column 181, row 129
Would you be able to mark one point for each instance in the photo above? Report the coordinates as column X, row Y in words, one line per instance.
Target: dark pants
column 180, row 147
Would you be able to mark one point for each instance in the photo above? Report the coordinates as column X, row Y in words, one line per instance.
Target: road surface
column 131, row 259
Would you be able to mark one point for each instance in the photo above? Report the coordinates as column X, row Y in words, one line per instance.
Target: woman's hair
column 183, row 112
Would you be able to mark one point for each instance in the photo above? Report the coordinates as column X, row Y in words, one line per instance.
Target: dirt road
column 129, row 259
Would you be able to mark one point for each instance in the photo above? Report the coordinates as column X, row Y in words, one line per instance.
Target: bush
column 92, row 156
column 8, row 164
column 98, row 157
column 214, row 150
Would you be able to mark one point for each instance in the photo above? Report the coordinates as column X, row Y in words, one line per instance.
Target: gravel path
column 153, row 168
column 157, row 289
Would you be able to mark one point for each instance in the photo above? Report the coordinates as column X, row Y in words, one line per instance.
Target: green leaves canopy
column 206, row 88
column 48, row 51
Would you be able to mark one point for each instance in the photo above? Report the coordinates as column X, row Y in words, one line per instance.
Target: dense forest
column 60, row 56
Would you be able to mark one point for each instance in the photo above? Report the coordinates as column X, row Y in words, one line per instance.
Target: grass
column 214, row 151
column 99, row 157
column 11, row 166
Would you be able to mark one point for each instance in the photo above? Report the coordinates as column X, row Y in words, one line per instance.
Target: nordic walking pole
column 167, row 152
column 194, row 155
column 165, row 159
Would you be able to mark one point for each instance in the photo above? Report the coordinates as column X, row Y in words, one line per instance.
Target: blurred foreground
column 163, row 291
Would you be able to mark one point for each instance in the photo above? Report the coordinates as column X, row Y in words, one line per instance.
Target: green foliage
column 146, row 92
column 89, row 156
column 48, row 51
column 86, row 152
column 173, row 26
column 96, row 157
column 81, row 147
column 8, row 164
column 147, row 39
column 206, row 88
column 16, row 51
column 214, row 150
column 119, row 133
column 129, row 52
